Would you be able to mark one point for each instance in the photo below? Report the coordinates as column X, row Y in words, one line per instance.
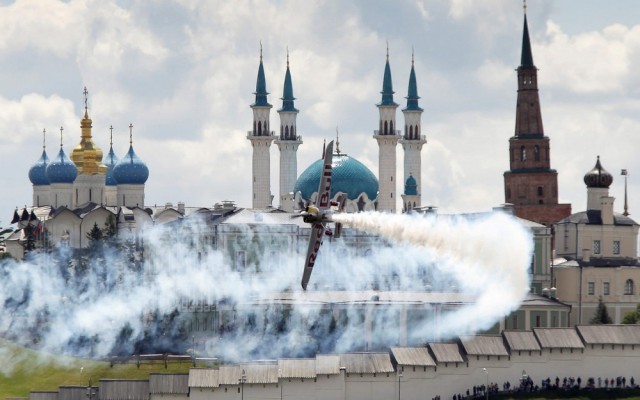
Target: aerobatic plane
column 319, row 215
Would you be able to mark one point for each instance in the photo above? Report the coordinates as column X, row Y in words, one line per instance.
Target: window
column 536, row 153
column 523, row 153
column 605, row 288
column 596, row 247
column 628, row 287
column 616, row 247
column 591, row 288
column 540, row 191
column 537, row 321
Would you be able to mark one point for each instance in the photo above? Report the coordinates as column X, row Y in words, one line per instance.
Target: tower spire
column 387, row 85
column 261, row 85
column 526, row 58
column 44, row 141
column 626, row 204
column 130, row 134
column 61, row 129
column 111, row 136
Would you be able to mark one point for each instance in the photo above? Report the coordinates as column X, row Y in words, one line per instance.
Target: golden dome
column 86, row 155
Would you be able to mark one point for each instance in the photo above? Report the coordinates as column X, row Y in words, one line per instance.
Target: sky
column 183, row 73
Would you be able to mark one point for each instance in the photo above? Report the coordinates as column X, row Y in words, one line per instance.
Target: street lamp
column 242, row 380
column 486, row 389
column 399, row 377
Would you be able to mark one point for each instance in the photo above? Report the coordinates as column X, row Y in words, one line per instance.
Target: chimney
column 181, row 207
column 606, row 210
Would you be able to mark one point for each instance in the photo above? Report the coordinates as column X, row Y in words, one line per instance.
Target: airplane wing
column 315, row 241
column 324, row 189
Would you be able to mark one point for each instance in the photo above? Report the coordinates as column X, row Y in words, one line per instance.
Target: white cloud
column 591, row 62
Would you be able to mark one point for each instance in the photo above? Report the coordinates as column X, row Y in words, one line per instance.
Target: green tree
column 632, row 317
column 95, row 236
column 602, row 315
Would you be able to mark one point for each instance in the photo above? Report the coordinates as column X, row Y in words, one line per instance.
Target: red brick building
column 530, row 184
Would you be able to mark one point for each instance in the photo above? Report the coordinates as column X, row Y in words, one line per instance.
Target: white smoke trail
column 118, row 306
column 488, row 256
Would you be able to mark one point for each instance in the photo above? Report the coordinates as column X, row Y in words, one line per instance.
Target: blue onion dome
column 410, row 186
column 130, row 170
column 110, row 160
column 61, row 169
column 38, row 171
column 350, row 176
column 598, row 177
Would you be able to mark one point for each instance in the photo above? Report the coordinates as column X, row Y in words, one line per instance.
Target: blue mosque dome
column 411, row 186
column 110, row 160
column 61, row 169
column 38, row 172
column 350, row 176
column 130, row 170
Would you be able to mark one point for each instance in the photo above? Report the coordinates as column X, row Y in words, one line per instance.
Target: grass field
column 23, row 370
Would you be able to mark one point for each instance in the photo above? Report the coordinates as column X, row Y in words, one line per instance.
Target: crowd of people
column 526, row 384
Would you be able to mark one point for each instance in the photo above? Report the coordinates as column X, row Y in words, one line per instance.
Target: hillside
column 23, row 370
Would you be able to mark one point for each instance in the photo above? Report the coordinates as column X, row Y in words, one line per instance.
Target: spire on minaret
column 287, row 93
column 387, row 85
column 44, row 141
column 261, row 86
column 130, row 134
column 412, row 93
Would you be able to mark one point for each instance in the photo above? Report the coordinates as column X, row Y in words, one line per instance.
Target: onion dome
column 61, row 169
column 598, row 177
column 87, row 155
column 110, row 160
column 350, row 176
column 410, row 186
column 38, row 171
column 130, row 170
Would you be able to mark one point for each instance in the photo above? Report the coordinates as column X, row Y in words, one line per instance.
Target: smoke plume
column 173, row 289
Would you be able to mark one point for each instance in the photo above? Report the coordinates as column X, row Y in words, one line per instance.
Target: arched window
column 417, row 132
column 540, row 191
column 411, row 132
column 628, row 287
column 523, row 153
column 391, row 127
column 254, row 127
column 259, row 128
column 536, row 153
column 286, row 132
column 406, row 130
column 385, row 128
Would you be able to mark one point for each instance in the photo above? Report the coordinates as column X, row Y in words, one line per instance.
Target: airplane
column 319, row 216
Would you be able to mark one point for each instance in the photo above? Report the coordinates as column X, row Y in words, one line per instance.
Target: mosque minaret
column 261, row 138
column 387, row 138
column 288, row 142
column 412, row 142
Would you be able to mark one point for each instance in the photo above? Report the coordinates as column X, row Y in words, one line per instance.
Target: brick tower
column 530, row 184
